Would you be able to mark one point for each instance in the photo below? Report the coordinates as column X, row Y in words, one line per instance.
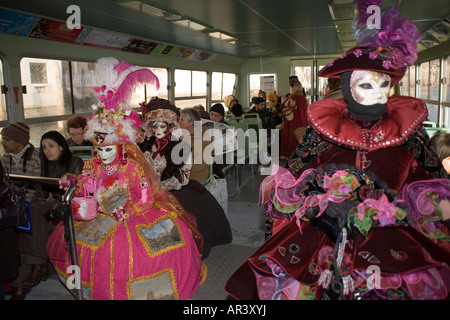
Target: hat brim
column 362, row 58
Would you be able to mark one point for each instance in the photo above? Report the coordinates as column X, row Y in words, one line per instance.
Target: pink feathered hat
column 113, row 121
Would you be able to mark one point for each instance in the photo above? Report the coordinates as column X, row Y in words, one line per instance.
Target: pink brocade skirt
column 150, row 256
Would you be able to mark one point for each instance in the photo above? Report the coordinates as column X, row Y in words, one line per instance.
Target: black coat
column 9, row 255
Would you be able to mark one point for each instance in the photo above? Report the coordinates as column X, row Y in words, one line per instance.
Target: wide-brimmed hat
column 160, row 110
column 389, row 49
column 362, row 58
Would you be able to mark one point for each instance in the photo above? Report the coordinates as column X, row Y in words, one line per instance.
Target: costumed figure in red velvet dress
column 134, row 240
column 360, row 199
column 295, row 121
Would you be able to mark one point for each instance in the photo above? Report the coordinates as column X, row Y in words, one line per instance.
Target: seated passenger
column 266, row 116
column 225, row 143
column 334, row 90
column 189, row 118
column 75, row 127
column 56, row 160
column 441, row 143
column 22, row 158
column 229, row 101
column 201, row 110
column 141, row 244
column 237, row 110
column 162, row 150
column 217, row 113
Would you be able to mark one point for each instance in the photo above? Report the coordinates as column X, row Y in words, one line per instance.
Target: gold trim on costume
column 203, row 273
column 130, row 250
column 111, row 268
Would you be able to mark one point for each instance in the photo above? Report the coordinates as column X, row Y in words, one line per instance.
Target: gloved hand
column 66, row 180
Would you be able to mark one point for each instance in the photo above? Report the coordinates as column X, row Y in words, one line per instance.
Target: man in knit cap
column 21, row 157
column 217, row 113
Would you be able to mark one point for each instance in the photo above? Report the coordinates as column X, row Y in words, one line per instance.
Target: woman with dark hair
column 56, row 160
column 237, row 110
column 56, row 157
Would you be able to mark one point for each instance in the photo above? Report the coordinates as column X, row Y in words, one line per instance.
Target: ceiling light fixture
column 221, row 36
column 342, row 13
column 149, row 10
column 185, row 22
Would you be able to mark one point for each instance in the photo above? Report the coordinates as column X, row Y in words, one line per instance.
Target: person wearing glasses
column 75, row 127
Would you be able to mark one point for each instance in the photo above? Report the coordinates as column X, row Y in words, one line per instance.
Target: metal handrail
column 35, row 179
column 69, row 232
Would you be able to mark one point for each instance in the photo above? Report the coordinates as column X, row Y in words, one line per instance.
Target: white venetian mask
column 107, row 153
column 159, row 129
column 370, row 87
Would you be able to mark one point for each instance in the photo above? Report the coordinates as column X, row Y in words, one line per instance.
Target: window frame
column 260, row 74
column 6, row 92
column 223, row 92
column 71, row 107
column 182, row 99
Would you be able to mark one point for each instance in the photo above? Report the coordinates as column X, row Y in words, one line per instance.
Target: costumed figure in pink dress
column 361, row 202
column 139, row 243
column 295, row 121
